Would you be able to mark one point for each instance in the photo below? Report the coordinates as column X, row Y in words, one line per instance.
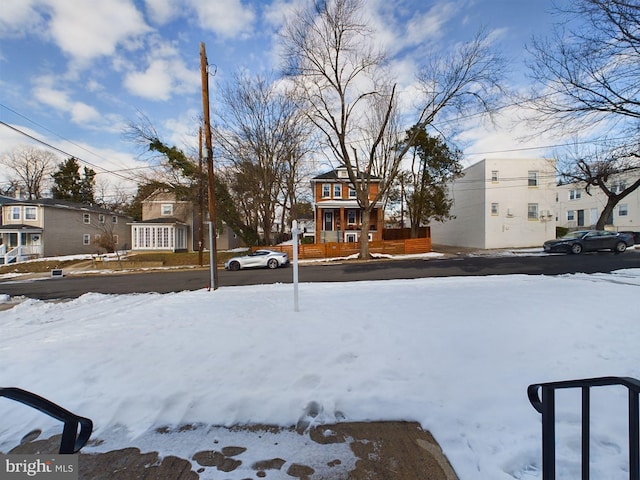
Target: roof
column 163, row 221
column 58, row 203
column 333, row 175
column 22, row 227
column 4, row 200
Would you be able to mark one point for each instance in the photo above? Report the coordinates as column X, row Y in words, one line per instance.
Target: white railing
column 19, row 254
column 12, row 255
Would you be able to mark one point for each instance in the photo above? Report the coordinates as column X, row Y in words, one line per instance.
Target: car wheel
column 272, row 263
column 620, row 247
column 576, row 248
column 235, row 266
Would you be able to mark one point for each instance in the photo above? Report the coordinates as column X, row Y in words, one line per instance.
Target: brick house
column 338, row 217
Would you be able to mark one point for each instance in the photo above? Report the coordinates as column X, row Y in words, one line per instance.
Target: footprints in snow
column 312, row 411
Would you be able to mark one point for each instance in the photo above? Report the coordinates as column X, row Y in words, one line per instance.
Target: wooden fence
column 344, row 249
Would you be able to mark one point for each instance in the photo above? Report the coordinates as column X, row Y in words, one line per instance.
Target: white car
column 258, row 259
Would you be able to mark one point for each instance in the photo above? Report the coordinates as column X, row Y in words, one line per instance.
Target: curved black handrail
column 72, row 441
column 545, row 405
column 533, row 391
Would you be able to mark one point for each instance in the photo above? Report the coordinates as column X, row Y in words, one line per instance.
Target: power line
column 51, row 131
column 48, row 145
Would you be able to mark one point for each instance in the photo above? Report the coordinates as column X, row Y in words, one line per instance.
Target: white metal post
column 295, row 232
column 212, row 281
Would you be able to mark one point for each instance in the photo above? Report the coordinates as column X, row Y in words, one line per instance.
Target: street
column 165, row 281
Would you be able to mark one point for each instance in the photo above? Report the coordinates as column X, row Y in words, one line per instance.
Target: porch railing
column 72, row 438
column 18, row 254
column 546, row 407
column 12, row 255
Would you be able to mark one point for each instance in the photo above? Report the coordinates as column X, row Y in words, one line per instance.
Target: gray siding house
column 48, row 227
column 169, row 224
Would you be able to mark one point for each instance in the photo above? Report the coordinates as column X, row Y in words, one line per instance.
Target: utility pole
column 200, row 201
column 209, row 158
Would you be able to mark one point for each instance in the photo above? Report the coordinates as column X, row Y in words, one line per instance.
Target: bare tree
column 263, row 138
column 587, row 76
column 30, row 169
column 331, row 56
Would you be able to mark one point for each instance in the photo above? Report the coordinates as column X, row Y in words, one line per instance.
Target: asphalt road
column 166, row 281
column 72, row 286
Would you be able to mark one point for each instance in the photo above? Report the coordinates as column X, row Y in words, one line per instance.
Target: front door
column 328, row 221
column 581, row 218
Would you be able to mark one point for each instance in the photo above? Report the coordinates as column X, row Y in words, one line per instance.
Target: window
column 532, row 211
column 571, row 215
column 167, row 209
column 15, row 213
column 86, row 239
column 574, row 194
column 337, row 191
column 114, row 219
column 622, row 210
column 494, row 175
column 115, row 239
column 618, row 187
column 86, row 218
column 30, row 213
column 352, row 192
column 533, row 179
column 326, row 190
column 494, row 209
column 351, row 217
column 101, row 218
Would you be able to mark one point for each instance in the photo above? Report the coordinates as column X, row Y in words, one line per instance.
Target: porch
column 344, row 225
column 19, row 243
column 159, row 237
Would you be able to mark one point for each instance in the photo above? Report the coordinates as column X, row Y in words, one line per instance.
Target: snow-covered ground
column 455, row 354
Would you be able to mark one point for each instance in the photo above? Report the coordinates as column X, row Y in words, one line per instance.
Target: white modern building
column 578, row 209
column 501, row 203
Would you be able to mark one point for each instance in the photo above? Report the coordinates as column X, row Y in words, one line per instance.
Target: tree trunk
column 607, row 212
column 364, row 234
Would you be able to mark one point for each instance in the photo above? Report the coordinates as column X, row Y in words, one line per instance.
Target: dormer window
column 342, row 173
column 167, row 209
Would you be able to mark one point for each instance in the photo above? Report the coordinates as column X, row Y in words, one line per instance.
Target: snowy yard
column 455, row 354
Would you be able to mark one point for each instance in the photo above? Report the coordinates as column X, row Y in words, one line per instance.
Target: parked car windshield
column 574, row 234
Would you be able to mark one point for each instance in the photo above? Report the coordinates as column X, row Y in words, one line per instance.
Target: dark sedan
column 589, row 241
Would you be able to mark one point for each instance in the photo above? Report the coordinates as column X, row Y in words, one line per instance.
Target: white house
column 578, row 209
column 501, row 203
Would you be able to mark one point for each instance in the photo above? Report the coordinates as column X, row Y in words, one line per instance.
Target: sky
column 74, row 74
column 454, row 354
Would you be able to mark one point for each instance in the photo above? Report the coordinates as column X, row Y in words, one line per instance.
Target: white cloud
column 80, row 112
column 227, row 18
column 86, row 30
column 83, row 113
column 162, row 11
column 18, row 17
column 154, row 83
column 430, row 24
column 165, row 74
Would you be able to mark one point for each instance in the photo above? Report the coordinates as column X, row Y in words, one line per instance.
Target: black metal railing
column 72, row 440
column 546, row 406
